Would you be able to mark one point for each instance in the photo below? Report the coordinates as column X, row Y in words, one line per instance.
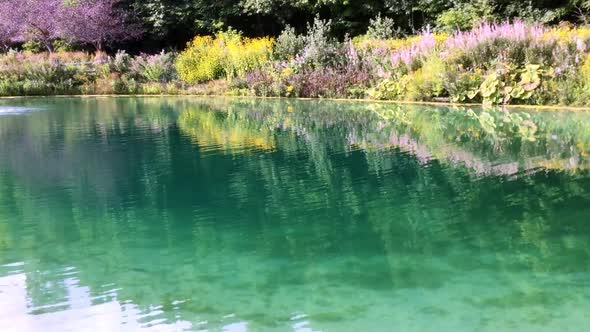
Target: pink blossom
column 98, row 22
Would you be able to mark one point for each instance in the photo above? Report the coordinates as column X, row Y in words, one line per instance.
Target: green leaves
column 500, row 87
column 390, row 89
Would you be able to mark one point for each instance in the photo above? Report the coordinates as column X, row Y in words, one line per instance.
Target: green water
column 173, row 214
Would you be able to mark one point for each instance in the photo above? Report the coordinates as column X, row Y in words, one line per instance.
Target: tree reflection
column 280, row 205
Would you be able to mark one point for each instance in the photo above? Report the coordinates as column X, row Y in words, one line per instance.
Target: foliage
column 503, row 63
column 38, row 20
column 32, row 46
column 95, row 22
column 331, row 82
column 420, row 85
column 382, row 28
column 288, row 44
column 508, row 83
column 154, row 68
column 462, row 86
column 8, row 31
column 390, row 89
column 172, row 23
column 465, row 16
column 426, row 83
column 120, row 63
column 320, row 49
column 225, row 54
column 83, row 73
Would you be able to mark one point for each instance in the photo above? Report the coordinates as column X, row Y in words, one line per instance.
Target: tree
column 7, row 32
column 174, row 22
column 98, row 22
column 32, row 20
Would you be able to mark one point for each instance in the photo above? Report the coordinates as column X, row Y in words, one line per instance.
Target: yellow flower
column 290, row 88
column 287, row 72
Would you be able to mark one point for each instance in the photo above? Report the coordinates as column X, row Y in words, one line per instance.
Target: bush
column 154, row 68
column 200, row 61
column 329, row 83
column 62, row 46
column 320, row 49
column 427, row 82
column 227, row 54
column 382, row 28
column 465, row 16
column 38, row 74
column 493, row 63
column 423, row 84
column 462, row 86
column 260, row 83
column 33, row 46
column 508, row 83
column 120, row 63
column 574, row 88
column 11, row 88
column 288, row 44
column 390, row 89
column 76, row 72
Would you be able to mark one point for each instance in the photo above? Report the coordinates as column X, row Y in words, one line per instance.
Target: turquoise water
column 174, row 214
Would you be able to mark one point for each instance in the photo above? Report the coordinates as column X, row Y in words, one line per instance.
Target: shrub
column 227, row 54
column 320, row 49
column 574, row 88
column 427, row 82
column 462, row 86
column 39, row 74
column 508, row 83
column 33, row 46
column 465, row 16
column 153, row 88
column 11, row 88
column 382, row 28
column 288, row 44
column 62, row 46
column 409, row 57
column 517, row 43
column 422, row 84
column 390, row 89
column 200, row 61
column 330, row 83
column 124, row 86
column 245, row 54
column 260, row 83
column 120, row 63
column 154, row 68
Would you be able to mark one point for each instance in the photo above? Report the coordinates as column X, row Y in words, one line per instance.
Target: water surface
column 187, row 214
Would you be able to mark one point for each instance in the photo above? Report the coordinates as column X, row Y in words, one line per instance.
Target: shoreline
column 376, row 101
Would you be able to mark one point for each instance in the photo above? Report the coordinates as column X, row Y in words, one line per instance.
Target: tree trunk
column 49, row 46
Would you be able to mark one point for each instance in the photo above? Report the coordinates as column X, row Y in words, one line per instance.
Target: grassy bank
column 510, row 63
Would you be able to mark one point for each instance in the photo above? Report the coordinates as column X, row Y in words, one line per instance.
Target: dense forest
column 171, row 23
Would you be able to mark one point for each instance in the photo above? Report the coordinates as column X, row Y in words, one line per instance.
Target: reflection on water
column 8, row 110
column 173, row 214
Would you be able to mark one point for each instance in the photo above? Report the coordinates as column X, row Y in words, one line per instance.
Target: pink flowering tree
column 24, row 20
column 7, row 33
column 97, row 22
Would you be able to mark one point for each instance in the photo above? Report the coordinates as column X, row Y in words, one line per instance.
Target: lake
column 196, row 214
